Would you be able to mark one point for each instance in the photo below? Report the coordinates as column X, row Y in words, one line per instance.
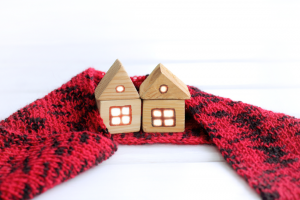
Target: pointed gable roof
column 149, row 89
column 116, row 76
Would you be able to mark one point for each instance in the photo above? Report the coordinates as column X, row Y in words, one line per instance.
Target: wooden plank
column 40, row 74
column 11, row 102
column 225, row 30
column 115, row 77
column 135, row 125
column 161, row 76
column 165, row 153
column 178, row 105
column 278, row 100
column 174, row 181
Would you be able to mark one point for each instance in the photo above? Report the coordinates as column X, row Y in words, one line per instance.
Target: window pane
column 125, row 110
column 169, row 122
column 116, row 120
column 157, row 113
column 125, row 119
column 120, row 88
column 157, row 122
column 115, row 111
column 163, row 88
column 168, row 113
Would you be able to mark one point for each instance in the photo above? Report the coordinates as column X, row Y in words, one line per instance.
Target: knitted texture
column 61, row 135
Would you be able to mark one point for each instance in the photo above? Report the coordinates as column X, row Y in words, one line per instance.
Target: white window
column 120, row 88
column 163, row 89
column 163, row 117
column 120, row 115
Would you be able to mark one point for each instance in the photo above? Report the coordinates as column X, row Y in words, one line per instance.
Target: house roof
column 116, row 76
column 149, row 89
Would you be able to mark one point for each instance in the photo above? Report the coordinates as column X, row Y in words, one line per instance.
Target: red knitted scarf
column 61, row 135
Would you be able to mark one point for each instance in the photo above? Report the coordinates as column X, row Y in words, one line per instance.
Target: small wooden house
column 118, row 101
column 163, row 97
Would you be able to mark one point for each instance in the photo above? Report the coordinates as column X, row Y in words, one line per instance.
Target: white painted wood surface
column 245, row 50
column 159, row 171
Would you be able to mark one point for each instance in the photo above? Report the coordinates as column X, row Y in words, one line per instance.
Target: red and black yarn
column 61, row 135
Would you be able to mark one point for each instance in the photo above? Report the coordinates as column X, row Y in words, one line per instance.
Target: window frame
column 120, row 86
column 163, row 86
column 121, row 115
column 162, row 117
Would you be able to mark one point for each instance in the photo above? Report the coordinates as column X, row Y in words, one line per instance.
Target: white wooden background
column 244, row 50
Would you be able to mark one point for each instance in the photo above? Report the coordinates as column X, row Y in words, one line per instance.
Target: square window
column 168, row 113
column 115, row 111
column 125, row 110
column 163, row 117
column 169, row 122
column 125, row 119
column 116, row 120
column 157, row 122
column 157, row 113
column 120, row 115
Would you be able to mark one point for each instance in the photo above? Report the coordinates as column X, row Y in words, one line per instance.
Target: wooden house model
column 118, row 101
column 163, row 97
